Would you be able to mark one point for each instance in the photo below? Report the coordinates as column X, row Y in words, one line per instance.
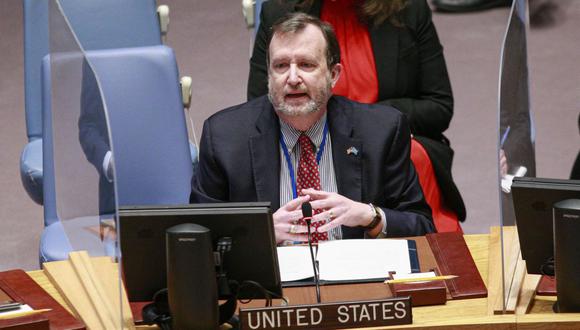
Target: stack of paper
column 346, row 260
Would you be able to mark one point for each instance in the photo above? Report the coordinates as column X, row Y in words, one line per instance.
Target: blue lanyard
column 289, row 160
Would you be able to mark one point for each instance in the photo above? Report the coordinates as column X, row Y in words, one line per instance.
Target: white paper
column 295, row 263
column 346, row 260
column 357, row 259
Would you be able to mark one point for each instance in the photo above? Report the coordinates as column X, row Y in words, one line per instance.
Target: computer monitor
column 533, row 199
column 252, row 256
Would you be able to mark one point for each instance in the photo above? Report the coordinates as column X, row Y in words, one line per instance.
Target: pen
column 504, row 136
column 421, row 279
column 26, row 313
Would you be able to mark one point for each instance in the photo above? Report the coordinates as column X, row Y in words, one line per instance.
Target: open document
column 348, row 260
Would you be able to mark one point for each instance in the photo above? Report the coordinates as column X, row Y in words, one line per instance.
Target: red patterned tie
column 308, row 177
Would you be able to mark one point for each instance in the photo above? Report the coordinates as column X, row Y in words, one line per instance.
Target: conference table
column 455, row 314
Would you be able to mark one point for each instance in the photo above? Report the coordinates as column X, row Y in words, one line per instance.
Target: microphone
column 307, row 214
column 307, row 211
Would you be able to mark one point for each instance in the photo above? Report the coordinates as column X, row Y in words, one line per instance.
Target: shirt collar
column 291, row 135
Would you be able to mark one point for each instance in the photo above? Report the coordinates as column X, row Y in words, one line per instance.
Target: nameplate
column 367, row 313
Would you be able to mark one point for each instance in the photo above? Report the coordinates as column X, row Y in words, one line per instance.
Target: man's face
column 299, row 80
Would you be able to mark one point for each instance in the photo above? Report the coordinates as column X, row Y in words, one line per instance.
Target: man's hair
column 297, row 22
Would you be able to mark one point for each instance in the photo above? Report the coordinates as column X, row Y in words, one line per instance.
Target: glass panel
column 83, row 187
column 516, row 155
column 82, row 197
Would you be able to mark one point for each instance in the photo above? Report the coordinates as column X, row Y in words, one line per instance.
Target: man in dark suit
column 368, row 186
column 94, row 138
column 410, row 70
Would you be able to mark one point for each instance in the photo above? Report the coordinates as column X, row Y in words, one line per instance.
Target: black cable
column 547, row 268
column 277, row 296
column 158, row 311
column 267, row 294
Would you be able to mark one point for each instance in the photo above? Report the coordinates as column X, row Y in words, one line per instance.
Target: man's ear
column 335, row 73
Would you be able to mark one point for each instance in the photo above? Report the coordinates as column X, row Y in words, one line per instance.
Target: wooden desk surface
column 456, row 314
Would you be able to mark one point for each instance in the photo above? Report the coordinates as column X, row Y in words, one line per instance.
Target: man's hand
column 503, row 165
column 338, row 209
column 285, row 219
column 108, row 166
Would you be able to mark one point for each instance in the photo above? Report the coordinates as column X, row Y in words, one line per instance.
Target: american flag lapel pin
column 352, row 150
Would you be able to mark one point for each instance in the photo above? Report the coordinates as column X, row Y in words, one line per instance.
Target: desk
column 467, row 314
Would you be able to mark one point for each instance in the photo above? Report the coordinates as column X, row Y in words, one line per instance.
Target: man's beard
column 313, row 105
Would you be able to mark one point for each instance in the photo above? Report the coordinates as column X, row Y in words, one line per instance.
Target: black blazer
column 240, row 161
column 94, row 136
column 411, row 73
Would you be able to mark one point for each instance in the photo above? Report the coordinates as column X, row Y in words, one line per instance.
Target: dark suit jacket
column 240, row 161
column 94, row 136
column 411, row 73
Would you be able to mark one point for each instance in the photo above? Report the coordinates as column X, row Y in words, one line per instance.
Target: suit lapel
column 385, row 43
column 346, row 151
column 265, row 155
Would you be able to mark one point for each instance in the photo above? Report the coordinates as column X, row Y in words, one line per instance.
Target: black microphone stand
column 314, row 263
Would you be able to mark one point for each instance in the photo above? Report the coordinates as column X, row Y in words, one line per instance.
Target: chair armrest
column 248, row 11
column 185, row 83
column 163, row 16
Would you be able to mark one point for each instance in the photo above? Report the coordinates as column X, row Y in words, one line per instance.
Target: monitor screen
column 249, row 225
column 533, row 200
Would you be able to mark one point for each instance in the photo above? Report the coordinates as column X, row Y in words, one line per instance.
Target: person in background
column 543, row 13
column 469, row 5
column 391, row 55
column 94, row 138
column 575, row 174
column 300, row 143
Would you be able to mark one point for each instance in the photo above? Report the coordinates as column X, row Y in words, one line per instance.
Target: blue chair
column 129, row 23
column 152, row 101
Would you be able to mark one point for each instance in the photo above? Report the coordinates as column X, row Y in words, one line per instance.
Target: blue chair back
column 35, row 48
column 147, row 123
column 98, row 24
column 105, row 24
column 148, row 131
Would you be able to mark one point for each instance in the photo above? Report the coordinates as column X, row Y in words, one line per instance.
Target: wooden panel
column 108, row 272
column 64, row 279
column 479, row 247
column 527, row 293
column 96, row 294
column 516, row 286
column 549, row 321
column 494, row 278
column 91, row 286
column 42, row 280
column 20, row 286
column 456, row 314
column 513, row 270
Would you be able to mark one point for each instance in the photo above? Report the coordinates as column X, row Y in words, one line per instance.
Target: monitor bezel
column 533, row 200
column 143, row 255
